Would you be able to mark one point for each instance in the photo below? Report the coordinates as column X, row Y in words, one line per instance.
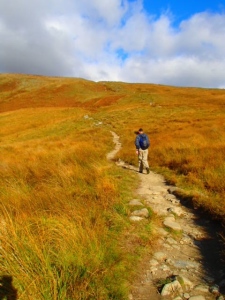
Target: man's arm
column 137, row 144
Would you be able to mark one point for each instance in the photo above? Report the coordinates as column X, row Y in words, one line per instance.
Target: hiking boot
column 148, row 171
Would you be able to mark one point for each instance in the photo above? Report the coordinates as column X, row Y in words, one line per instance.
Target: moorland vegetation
column 64, row 226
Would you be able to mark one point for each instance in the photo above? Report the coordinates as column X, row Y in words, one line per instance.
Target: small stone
column 168, row 247
column 169, row 261
column 136, row 218
column 176, row 210
column 153, row 270
column 176, row 201
column 170, row 197
column 186, row 240
column 202, row 288
column 160, row 256
column 164, row 268
column 170, row 218
column 141, row 213
column 220, row 297
column 176, row 247
column 172, row 225
column 172, row 189
column 186, row 296
column 171, row 288
column 171, row 241
column 198, row 297
column 153, row 262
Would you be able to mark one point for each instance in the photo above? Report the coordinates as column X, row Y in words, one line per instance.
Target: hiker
column 142, row 144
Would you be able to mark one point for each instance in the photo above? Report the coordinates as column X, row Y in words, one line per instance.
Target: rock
column 186, row 240
column 167, row 246
column 176, row 247
column 178, row 298
column 172, row 189
column 164, row 268
column 153, row 262
column 170, row 197
column 202, row 288
column 169, row 261
column 170, row 218
column 171, row 241
column 220, row 297
column 135, row 202
column 176, row 210
column 136, row 218
column 186, row 296
column 173, row 225
column 198, row 297
column 171, row 288
column 175, row 201
column 160, row 256
column 141, row 213
column 153, row 270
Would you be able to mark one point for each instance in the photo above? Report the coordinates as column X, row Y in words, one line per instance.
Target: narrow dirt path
column 186, row 263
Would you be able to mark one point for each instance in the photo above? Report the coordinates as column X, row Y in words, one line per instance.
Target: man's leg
column 145, row 160
column 140, row 161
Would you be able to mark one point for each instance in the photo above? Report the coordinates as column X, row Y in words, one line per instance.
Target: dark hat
column 140, row 130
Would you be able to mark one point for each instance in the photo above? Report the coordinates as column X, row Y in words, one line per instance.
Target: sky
column 178, row 43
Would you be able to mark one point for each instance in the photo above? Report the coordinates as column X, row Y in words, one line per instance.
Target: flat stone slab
column 173, row 225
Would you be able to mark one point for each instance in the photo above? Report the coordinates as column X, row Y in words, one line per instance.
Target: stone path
column 186, row 264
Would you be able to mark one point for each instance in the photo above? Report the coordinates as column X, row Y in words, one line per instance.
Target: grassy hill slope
column 64, row 226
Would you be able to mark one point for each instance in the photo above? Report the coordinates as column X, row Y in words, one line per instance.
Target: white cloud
column 111, row 40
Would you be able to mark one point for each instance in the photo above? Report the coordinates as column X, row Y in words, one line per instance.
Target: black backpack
column 144, row 142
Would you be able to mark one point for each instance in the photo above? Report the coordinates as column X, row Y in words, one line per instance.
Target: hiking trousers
column 143, row 159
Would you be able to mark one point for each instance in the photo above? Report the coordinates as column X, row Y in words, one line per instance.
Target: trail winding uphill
column 186, row 263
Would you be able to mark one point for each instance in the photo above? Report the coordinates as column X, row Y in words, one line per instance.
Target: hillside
column 186, row 125
column 59, row 192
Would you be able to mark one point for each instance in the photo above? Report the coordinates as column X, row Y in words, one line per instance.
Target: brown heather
column 63, row 208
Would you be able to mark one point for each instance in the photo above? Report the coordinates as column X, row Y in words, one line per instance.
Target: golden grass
column 63, row 212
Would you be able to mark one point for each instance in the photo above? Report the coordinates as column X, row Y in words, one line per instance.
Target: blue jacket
column 138, row 141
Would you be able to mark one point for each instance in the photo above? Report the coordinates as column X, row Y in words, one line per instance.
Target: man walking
column 142, row 144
